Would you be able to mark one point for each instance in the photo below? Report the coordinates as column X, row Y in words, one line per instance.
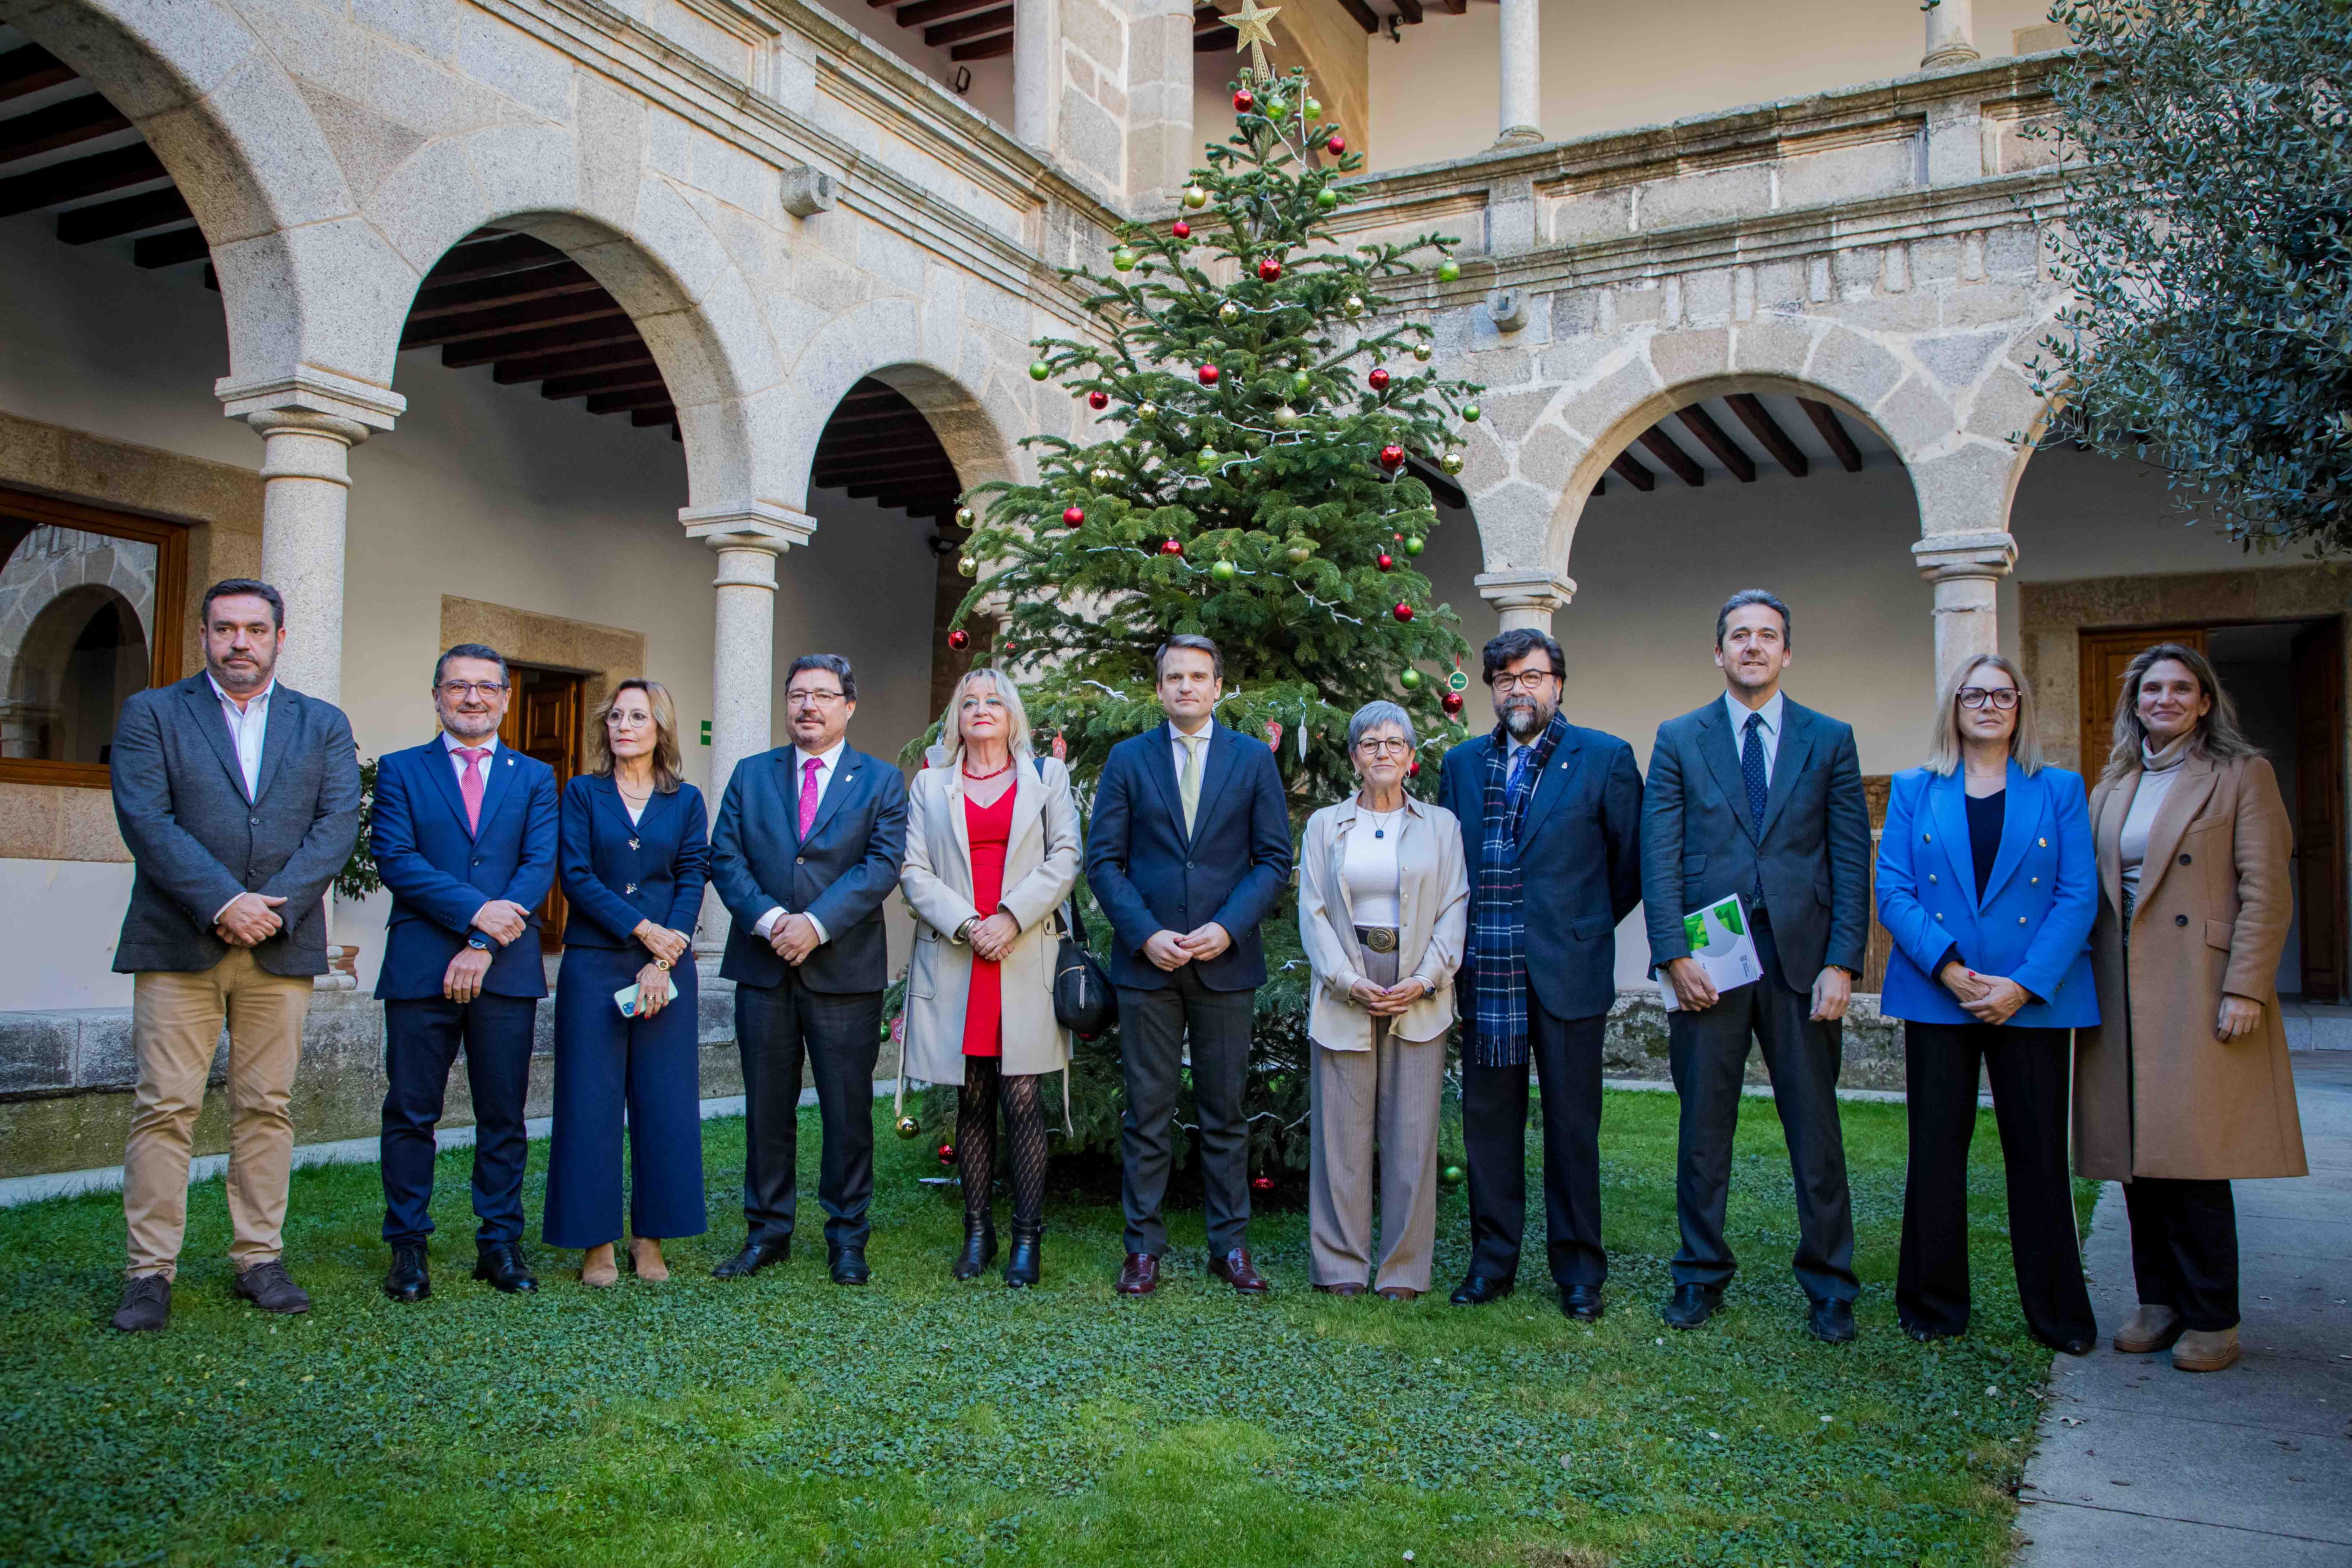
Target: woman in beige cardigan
column 991, row 848
column 1383, row 898
column 2184, row 1084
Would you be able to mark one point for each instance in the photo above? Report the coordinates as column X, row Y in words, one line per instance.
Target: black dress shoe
column 1691, row 1306
column 979, row 1249
column 755, row 1255
column 1481, row 1288
column 409, row 1281
column 500, row 1263
column 1026, row 1260
column 849, row 1265
column 1929, row 1336
column 2072, row 1347
column 1830, row 1321
column 1581, row 1302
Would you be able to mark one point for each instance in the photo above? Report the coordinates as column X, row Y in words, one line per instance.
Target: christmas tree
column 1250, row 484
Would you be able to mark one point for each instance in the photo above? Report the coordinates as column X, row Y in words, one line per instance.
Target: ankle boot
column 979, row 1247
column 1021, row 1268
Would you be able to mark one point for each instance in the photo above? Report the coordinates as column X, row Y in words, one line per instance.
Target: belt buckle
column 1380, row 939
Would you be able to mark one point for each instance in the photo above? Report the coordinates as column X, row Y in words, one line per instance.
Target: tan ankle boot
column 2201, row 1349
column 646, row 1257
column 2149, row 1329
column 597, row 1269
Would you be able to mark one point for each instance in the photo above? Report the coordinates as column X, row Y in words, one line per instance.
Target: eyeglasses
column 455, row 691
column 2001, row 697
column 811, row 698
column 1525, row 680
column 1384, row 746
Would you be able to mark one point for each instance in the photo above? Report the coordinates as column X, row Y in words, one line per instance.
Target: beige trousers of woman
column 1387, row 1097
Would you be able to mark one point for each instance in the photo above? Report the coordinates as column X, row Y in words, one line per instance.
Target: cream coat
column 1434, row 910
column 2155, row 1093
column 1041, row 865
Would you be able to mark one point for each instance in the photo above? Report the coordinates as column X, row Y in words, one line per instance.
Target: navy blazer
column 616, row 872
column 1149, row 877
column 1698, row 843
column 1579, row 855
column 440, row 874
column 840, row 874
column 2034, row 922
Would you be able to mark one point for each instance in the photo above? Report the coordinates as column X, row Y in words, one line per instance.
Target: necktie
column 808, row 794
column 469, row 785
column 1519, row 767
column 1188, row 784
column 1751, row 770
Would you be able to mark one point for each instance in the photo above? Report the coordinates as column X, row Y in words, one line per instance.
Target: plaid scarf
column 1497, row 960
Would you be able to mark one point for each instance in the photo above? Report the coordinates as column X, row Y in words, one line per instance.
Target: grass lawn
column 785, row 1420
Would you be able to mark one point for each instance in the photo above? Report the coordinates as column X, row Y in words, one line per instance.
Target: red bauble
column 1182, row 230
column 1243, row 103
column 1337, row 144
column 946, row 1154
column 959, row 639
column 1261, row 1183
column 1379, row 379
column 1268, row 269
column 1208, row 373
column 1392, row 457
column 1414, row 771
column 1171, row 547
column 1403, row 611
column 1452, row 701
column 1074, row 515
column 1099, row 400
column 1387, row 562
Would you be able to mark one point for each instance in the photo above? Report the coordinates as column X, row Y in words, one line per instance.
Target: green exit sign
column 705, row 731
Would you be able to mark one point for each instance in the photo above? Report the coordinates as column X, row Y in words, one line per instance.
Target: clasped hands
column 654, row 987
column 1389, row 1001
column 793, row 938
column 500, row 919
column 1986, row 998
column 250, row 919
column 1171, row 951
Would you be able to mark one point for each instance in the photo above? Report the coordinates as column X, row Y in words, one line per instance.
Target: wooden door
column 2318, row 664
column 543, row 721
column 2104, row 656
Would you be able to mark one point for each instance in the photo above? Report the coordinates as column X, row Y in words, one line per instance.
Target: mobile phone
column 625, row 998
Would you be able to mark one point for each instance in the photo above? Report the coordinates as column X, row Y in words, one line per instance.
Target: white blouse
column 1371, row 870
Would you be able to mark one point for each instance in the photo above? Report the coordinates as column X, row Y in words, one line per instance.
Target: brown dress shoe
column 1399, row 1293
column 2147, row 1329
column 1236, row 1270
column 1139, row 1275
column 146, row 1304
column 269, row 1287
column 1345, row 1288
column 2201, row 1349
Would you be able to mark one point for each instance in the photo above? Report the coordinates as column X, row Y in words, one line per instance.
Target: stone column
column 1526, row 598
column 1951, row 34
column 1522, row 82
column 308, row 423
column 1967, row 569
column 748, row 539
column 1036, row 71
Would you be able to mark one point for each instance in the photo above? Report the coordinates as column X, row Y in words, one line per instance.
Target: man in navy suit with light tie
column 1189, row 851
column 809, row 842
column 463, row 834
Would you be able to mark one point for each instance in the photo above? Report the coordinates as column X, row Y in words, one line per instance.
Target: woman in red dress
column 991, row 850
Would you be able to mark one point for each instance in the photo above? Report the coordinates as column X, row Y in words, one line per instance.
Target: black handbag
column 1083, row 1002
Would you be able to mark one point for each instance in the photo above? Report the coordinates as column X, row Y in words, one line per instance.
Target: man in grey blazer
column 1755, row 795
column 239, row 799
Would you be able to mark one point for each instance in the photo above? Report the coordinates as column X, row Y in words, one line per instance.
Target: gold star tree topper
column 1254, row 28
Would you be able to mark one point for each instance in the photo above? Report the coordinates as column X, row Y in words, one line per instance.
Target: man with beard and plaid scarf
column 1550, row 819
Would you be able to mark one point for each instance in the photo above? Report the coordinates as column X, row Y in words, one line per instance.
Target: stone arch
column 240, row 143
column 40, row 687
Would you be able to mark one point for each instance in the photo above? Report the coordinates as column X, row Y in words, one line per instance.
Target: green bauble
column 1470, row 411
column 1123, row 258
column 1326, row 198
column 1301, row 384
column 1410, row 679
column 1449, row 271
column 1301, row 555
column 1224, row 570
column 1039, row 369
column 1451, row 1177
column 1415, row 544
column 1196, row 198
column 1314, row 109
column 1208, row 459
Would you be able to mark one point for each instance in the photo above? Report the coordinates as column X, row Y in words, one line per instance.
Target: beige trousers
column 175, row 1025
column 1391, row 1095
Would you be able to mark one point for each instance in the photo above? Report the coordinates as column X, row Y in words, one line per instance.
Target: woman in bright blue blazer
column 635, row 852
column 1988, row 882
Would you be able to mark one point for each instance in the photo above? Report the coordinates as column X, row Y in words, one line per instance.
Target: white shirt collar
column 260, row 699
column 489, row 744
column 1771, row 712
column 1177, row 737
column 828, row 757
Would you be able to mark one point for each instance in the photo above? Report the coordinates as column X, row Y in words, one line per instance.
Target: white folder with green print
column 1725, row 948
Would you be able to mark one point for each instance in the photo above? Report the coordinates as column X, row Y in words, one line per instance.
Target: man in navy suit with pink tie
column 464, row 835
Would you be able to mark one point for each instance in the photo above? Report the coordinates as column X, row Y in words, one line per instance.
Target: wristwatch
column 478, row 942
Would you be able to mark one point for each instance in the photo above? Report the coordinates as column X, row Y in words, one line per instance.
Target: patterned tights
column 985, row 1084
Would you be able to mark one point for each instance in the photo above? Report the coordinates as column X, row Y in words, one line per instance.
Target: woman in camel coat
column 2184, row 1085
column 991, row 850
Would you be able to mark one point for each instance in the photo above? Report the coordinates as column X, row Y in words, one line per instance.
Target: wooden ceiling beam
column 1825, row 420
column 603, row 334
column 557, row 388
column 52, row 126
column 876, row 420
column 832, row 475
column 632, row 355
column 985, row 49
column 30, row 69
column 69, row 181
column 171, row 248
column 978, row 26
column 566, row 309
column 1629, row 468
column 662, row 413
column 1365, row 16
column 1677, row 461
column 1717, row 440
column 924, row 12
column 1456, row 7
column 504, row 289
column 494, row 257
column 1409, row 10
column 622, row 402
column 1217, row 42
column 1752, row 412
column 124, row 215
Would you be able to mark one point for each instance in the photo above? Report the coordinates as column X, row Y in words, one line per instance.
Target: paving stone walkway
column 2140, row 1465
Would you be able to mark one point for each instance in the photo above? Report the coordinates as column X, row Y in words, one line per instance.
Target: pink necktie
column 808, row 792
column 469, row 785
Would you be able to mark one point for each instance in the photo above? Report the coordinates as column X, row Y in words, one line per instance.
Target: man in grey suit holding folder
column 1754, row 795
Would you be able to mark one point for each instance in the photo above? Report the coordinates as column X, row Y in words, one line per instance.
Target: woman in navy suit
column 635, row 851
column 1987, row 879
